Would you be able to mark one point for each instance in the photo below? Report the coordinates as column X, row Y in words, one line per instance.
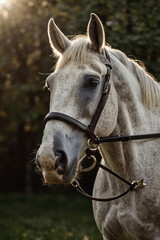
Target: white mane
column 149, row 86
column 79, row 52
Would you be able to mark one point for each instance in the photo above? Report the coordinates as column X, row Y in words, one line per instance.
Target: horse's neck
column 122, row 157
column 133, row 118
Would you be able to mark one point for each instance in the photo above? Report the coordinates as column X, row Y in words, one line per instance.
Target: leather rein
column 94, row 141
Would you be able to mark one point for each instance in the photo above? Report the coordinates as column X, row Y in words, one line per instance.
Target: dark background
column 131, row 26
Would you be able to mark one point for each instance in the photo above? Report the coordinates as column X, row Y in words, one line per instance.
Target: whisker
column 33, row 160
column 44, row 74
column 37, row 170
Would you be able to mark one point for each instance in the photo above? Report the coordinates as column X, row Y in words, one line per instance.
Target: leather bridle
column 94, row 141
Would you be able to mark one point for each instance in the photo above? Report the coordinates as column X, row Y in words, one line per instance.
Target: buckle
column 138, row 184
column 106, row 91
column 92, row 144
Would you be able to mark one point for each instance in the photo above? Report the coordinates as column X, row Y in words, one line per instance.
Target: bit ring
column 92, row 166
column 92, row 146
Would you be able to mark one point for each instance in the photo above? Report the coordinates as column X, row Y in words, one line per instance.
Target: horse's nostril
column 61, row 162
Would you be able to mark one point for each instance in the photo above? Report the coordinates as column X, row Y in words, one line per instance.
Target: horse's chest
column 126, row 218
column 120, row 222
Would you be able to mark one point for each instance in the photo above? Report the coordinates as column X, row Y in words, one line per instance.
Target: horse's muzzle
column 55, row 166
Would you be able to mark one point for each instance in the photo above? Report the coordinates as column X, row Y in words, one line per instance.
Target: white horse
column 132, row 107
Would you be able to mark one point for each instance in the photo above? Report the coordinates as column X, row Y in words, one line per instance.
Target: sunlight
column 4, row 3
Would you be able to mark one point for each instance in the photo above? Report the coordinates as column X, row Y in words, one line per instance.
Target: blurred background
column 25, row 59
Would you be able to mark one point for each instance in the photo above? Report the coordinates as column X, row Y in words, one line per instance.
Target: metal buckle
column 138, row 184
column 106, row 91
column 75, row 183
column 91, row 145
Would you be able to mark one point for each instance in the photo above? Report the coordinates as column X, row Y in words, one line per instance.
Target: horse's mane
column 149, row 85
column 79, row 52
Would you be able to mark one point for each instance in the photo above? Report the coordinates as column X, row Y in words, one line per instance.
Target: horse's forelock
column 80, row 53
column 76, row 53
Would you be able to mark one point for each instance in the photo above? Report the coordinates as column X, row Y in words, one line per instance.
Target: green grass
column 47, row 217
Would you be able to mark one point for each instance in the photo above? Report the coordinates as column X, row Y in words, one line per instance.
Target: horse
column 131, row 106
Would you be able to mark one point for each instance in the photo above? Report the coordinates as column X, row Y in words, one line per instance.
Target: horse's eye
column 93, row 82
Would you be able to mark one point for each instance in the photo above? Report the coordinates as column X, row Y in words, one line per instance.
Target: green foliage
column 131, row 26
column 46, row 217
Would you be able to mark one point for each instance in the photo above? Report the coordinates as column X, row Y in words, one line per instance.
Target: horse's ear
column 57, row 39
column 96, row 33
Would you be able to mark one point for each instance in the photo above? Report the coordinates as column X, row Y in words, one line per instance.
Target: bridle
column 94, row 141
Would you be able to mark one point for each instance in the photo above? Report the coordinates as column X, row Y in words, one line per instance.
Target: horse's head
column 76, row 88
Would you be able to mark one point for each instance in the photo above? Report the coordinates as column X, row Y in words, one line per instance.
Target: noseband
column 94, row 141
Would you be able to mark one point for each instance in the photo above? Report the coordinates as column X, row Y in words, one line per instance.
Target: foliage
column 43, row 217
column 131, row 26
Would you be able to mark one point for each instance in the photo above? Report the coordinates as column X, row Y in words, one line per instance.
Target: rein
column 90, row 154
column 94, row 141
column 126, row 138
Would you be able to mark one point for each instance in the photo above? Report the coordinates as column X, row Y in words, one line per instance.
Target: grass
column 47, row 217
